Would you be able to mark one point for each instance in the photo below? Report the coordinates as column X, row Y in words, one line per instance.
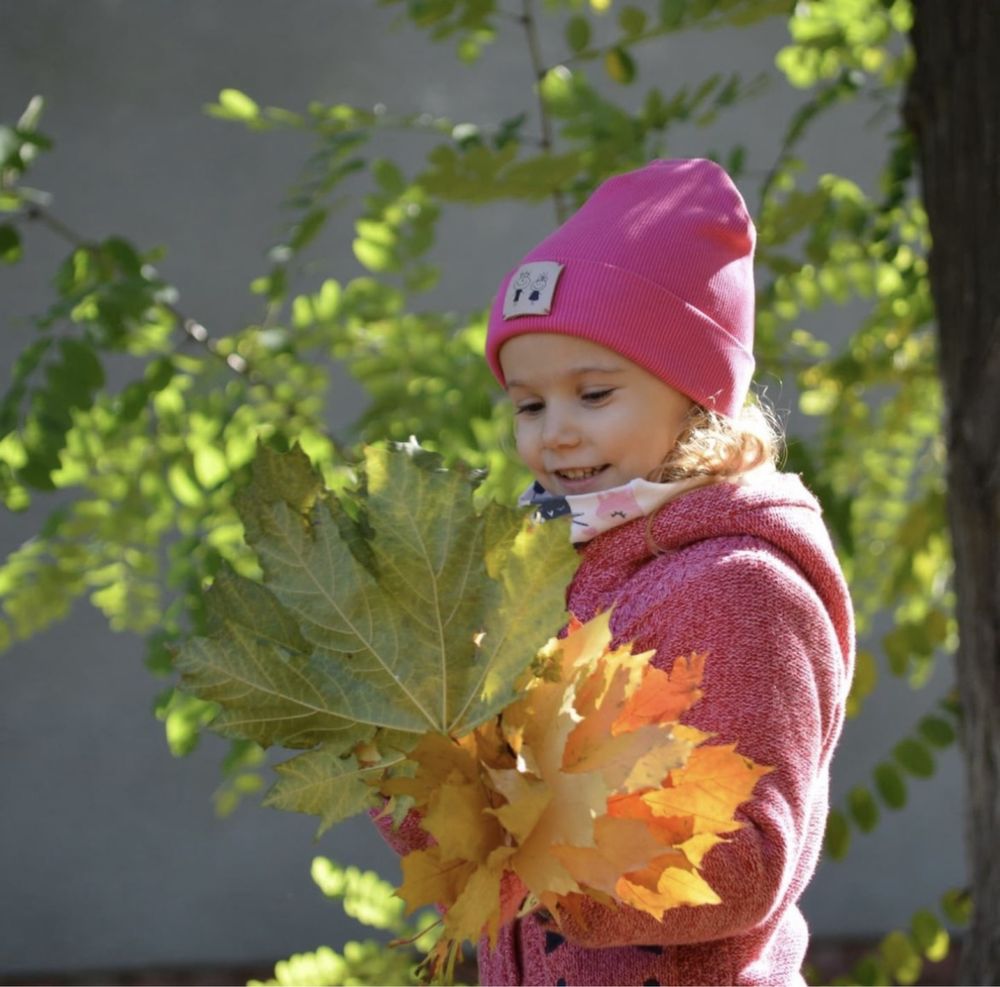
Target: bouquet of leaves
column 394, row 635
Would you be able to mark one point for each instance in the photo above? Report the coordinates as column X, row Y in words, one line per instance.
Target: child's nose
column 560, row 429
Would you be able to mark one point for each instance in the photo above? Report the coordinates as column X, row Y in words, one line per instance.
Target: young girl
column 624, row 341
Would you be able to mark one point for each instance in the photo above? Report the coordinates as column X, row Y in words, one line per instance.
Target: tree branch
column 194, row 330
column 530, row 26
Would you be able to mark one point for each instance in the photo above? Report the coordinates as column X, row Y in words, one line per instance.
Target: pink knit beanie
column 657, row 265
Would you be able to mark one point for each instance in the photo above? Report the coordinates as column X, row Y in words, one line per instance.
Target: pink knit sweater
column 748, row 574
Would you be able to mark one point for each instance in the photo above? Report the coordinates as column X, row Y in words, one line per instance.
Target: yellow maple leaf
column 667, row 883
column 708, row 789
column 608, row 681
column 429, row 881
column 630, row 761
column 491, row 747
column 651, row 767
column 437, row 759
column 476, row 908
column 543, row 724
column 583, row 643
column 543, row 873
column 587, row 786
column 661, row 697
column 570, row 763
column 598, row 699
column 620, row 846
column 695, row 847
column 457, row 816
column 527, row 798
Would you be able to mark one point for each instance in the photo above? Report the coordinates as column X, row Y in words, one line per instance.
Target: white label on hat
column 531, row 289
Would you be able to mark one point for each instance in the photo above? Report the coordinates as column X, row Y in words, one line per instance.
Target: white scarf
column 592, row 513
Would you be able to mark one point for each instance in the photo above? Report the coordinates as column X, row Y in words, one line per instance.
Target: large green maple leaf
column 383, row 615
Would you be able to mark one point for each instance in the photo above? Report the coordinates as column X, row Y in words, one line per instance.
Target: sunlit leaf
column 957, row 906
column 890, row 785
column 937, row 731
column 838, row 834
column 10, row 244
column 864, row 808
column 632, row 20
column 586, row 785
column 930, row 937
column 672, row 12
column 577, row 33
column 901, row 958
column 236, row 105
column 915, row 757
column 416, row 617
column 620, row 65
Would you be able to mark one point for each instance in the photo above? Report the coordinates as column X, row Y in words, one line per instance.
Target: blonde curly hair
column 716, row 448
column 711, row 448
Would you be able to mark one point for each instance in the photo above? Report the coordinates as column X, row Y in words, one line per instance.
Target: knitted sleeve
column 409, row 835
column 775, row 685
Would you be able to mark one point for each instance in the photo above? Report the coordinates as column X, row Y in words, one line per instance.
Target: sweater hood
column 767, row 505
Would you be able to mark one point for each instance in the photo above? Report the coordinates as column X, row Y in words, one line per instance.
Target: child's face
column 587, row 418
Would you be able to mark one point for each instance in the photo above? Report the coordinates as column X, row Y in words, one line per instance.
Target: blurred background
column 115, row 860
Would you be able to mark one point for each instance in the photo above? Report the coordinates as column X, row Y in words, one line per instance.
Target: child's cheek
column 520, row 439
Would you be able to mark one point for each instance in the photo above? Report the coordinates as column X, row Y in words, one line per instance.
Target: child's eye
column 596, row 397
column 529, row 408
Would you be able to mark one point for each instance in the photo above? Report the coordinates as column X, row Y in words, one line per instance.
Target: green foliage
column 10, row 244
column 613, row 139
column 831, row 36
column 383, row 614
column 19, row 146
column 477, row 174
column 473, row 21
column 373, row 903
column 879, row 464
column 912, row 755
column 900, row 955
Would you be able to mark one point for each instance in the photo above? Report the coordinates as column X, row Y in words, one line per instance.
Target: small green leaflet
column 394, row 613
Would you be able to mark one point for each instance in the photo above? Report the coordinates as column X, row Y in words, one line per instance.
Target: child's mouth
column 577, row 475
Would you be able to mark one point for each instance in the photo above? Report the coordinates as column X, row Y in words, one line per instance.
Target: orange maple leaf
column 708, row 789
column 588, row 785
column 661, row 697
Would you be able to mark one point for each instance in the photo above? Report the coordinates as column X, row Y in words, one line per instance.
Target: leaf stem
column 410, row 940
column 37, row 214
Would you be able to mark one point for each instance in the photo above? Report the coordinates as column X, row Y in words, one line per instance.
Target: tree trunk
column 953, row 107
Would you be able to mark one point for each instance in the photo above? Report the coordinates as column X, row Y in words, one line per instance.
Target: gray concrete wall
column 109, row 849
